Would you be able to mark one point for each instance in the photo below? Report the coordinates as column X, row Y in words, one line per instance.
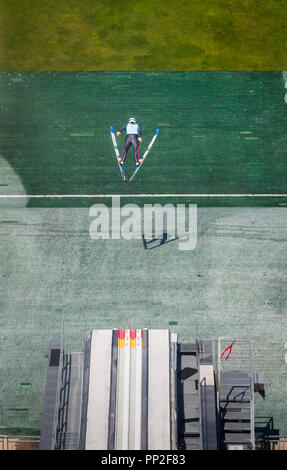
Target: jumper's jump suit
column 133, row 132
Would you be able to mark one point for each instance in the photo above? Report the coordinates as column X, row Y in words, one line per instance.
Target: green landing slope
column 220, row 133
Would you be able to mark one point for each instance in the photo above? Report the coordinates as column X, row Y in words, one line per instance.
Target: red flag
column 229, row 348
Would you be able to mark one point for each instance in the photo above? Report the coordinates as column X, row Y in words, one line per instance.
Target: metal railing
column 173, row 387
column 63, row 404
column 58, row 391
column 203, row 411
column 199, row 395
column 68, row 440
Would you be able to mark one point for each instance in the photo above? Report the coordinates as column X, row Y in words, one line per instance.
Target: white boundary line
column 11, row 196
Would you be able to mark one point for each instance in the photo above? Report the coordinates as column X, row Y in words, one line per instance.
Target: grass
column 141, row 35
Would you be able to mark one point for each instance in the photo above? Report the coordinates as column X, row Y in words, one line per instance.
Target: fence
column 19, row 442
column 271, row 443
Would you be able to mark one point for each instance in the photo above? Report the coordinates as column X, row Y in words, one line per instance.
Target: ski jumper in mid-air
column 133, row 138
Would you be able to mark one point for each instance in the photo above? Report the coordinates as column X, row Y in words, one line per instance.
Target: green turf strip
column 220, row 133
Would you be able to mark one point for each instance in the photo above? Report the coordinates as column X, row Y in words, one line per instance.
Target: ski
column 144, row 155
column 117, row 153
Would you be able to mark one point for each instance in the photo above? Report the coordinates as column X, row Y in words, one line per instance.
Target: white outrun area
column 11, row 184
column 159, row 391
column 99, row 390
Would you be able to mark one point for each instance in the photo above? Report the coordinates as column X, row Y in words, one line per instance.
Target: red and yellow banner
column 135, row 338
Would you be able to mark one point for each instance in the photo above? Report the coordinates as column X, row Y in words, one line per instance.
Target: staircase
column 235, row 408
column 189, row 416
column 69, row 412
column 63, row 395
column 236, row 397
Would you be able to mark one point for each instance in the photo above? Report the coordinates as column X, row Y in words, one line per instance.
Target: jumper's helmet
column 132, row 120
